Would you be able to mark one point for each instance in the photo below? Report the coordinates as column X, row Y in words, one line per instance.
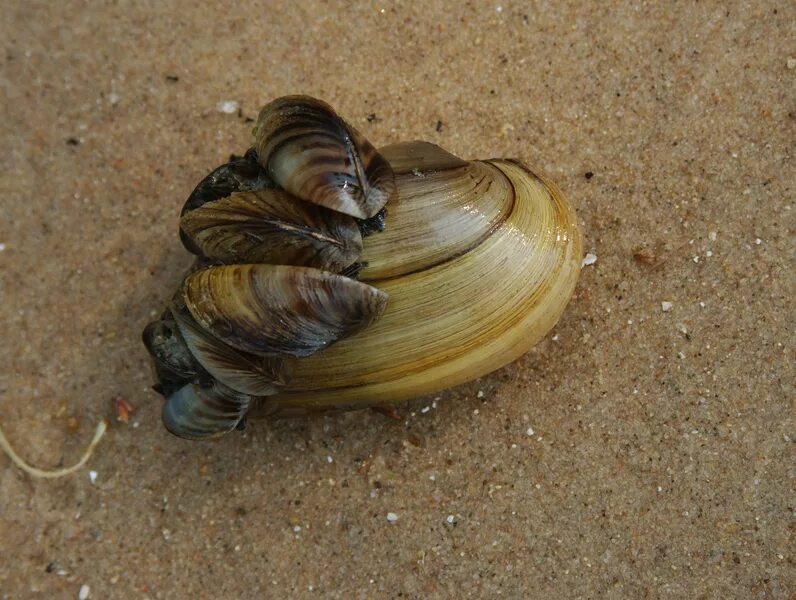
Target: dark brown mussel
column 198, row 412
column 241, row 371
column 273, row 227
column 276, row 309
column 314, row 154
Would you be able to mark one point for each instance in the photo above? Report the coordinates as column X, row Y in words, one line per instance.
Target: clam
column 307, row 298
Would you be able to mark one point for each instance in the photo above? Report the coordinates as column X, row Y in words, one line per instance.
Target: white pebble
column 329, row 459
column 758, row 241
column 392, row 517
column 696, row 259
column 2, row 247
column 712, row 235
column 480, row 394
column 666, row 306
column 589, row 259
column 709, row 253
column 227, row 106
column 791, row 63
column 450, row 520
column 296, row 528
column 529, row 431
column 92, row 476
column 425, row 409
column 113, row 98
column 84, row 592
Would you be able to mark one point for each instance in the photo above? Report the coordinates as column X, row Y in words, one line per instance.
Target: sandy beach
column 644, row 449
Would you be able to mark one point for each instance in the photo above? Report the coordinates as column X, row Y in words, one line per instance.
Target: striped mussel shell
column 311, row 152
column 300, row 303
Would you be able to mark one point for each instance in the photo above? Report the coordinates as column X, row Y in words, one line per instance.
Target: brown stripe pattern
column 273, row 227
column 314, row 154
column 276, row 309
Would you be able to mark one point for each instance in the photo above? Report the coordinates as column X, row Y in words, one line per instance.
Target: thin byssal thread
column 44, row 474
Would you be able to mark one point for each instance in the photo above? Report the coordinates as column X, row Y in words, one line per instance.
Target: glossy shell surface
column 479, row 261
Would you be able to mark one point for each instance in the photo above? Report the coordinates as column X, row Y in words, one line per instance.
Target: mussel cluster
column 330, row 275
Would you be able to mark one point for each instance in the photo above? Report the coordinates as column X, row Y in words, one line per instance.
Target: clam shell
column 273, row 227
column 479, row 260
column 276, row 309
column 315, row 155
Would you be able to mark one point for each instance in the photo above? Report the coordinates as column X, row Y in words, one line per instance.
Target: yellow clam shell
column 479, row 260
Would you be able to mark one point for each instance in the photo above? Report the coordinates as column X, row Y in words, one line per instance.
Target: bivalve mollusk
column 331, row 275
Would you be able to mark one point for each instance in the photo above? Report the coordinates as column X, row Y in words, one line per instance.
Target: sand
column 643, row 450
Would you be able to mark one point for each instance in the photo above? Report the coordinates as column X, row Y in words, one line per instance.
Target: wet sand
column 644, row 449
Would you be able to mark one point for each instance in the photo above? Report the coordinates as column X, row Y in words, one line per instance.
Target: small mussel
column 331, row 275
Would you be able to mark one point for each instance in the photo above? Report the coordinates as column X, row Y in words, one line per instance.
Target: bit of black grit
column 589, row 175
column 172, row 78
column 439, row 126
column 374, row 223
column 373, row 118
column 72, row 141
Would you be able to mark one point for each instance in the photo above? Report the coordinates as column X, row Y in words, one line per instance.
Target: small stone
column 666, row 306
column 123, row 410
column 296, row 528
column 84, row 592
column 227, row 107
column 72, row 424
column 758, row 241
column 712, row 235
column 791, row 63
column 2, row 247
column 450, row 520
column 92, row 476
column 392, row 517
column 589, row 259
column 480, row 394
column 529, row 431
